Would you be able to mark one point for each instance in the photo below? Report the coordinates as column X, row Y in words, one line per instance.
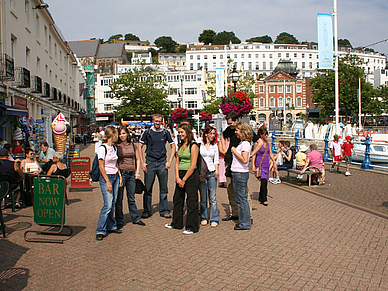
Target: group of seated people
column 288, row 158
column 49, row 162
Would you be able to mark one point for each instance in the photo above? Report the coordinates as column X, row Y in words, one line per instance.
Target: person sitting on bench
column 315, row 163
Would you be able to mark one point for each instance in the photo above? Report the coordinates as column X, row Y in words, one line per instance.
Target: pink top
column 110, row 158
column 237, row 165
column 315, row 159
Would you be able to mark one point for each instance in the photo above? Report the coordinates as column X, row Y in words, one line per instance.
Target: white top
column 32, row 166
column 336, row 147
column 237, row 165
column 110, row 158
column 211, row 156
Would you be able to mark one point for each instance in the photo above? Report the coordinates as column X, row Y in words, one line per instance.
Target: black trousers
column 191, row 189
column 263, row 190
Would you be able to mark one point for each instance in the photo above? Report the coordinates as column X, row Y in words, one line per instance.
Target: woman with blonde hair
column 240, row 174
column 110, row 181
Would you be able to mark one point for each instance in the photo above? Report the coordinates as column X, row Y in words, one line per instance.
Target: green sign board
column 48, row 200
column 89, row 68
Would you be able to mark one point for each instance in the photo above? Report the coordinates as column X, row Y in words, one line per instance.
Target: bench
column 307, row 172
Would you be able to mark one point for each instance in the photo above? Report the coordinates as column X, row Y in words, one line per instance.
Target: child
column 347, row 149
column 336, row 151
column 301, row 159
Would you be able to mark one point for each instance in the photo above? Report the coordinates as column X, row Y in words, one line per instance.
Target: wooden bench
column 308, row 172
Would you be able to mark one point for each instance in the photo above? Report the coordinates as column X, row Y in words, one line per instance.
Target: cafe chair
column 4, row 188
column 11, row 180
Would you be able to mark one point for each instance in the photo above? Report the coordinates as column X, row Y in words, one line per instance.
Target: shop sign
column 39, row 121
column 19, row 102
column 102, row 118
column 89, row 68
column 80, row 172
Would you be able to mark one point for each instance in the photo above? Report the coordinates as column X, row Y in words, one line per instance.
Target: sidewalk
column 299, row 242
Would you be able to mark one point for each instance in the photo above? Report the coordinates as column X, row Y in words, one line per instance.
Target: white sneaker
column 299, row 176
column 188, row 231
column 271, row 180
column 347, row 174
column 278, row 181
column 168, row 225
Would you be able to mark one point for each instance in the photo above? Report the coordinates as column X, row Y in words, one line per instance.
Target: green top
column 184, row 158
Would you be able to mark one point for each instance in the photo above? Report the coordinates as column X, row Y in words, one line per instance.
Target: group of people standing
column 120, row 167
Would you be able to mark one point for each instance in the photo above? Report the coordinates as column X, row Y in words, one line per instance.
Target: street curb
column 354, row 206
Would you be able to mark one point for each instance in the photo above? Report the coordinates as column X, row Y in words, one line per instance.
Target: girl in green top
column 187, row 182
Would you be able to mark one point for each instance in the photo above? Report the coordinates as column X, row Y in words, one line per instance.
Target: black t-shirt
column 234, row 142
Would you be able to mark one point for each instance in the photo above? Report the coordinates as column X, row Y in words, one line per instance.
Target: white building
column 185, row 89
column 262, row 58
column 380, row 78
column 39, row 75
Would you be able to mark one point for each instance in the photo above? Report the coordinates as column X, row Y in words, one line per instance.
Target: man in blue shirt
column 156, row 164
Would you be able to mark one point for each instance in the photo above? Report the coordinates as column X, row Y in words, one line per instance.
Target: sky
column 362, row 22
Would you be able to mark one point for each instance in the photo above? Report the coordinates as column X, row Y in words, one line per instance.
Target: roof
column 110, row 50
column 84, row 48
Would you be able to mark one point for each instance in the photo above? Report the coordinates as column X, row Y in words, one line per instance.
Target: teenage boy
column 347, row 148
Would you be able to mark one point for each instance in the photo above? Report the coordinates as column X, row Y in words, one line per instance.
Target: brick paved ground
column 300, row 242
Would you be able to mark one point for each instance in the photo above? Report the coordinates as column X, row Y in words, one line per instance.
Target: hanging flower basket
column 205, row 116
column 179, row 113
column 238, row 102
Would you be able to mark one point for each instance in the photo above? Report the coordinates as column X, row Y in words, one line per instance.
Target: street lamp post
column 234, row 76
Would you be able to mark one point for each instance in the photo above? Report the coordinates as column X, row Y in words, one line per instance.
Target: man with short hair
column 156, row 164
column 46, row 153
column 13, row 169
column 230, row 133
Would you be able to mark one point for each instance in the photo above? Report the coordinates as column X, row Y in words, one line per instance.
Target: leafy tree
column 286, row 38
column 344, row 42
column 262, row 39
column 225, row 37
column 130, row 36
column 114, row 37
column 350, row 70
column 207, row 36
column 154, row 54
column 129, row 56
column 181, row 48
column 166, row 43
column 142, row 92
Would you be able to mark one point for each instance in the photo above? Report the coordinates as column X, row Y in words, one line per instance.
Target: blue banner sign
column 325, row 40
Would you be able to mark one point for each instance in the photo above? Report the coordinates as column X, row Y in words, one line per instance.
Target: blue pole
column 326, row 156
column 367, row 164
column 296, row 140
column 273, row 142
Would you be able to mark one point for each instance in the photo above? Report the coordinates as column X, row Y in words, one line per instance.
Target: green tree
column 286, row 38
column 154, row 54
column 130, row 36
column 181, row 49
column 207, row 36
column 344, row 42
column 349, row 71
column 142, row 92
column 114, row 37
column 166, row 44
column 262, row 39
column 225, row 37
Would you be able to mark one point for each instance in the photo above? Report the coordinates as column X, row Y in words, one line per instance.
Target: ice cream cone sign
column 59, row 126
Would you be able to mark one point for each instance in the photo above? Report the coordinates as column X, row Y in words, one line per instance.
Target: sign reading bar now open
column 48, row 200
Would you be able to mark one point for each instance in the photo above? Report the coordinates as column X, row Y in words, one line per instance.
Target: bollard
column 367, row 164
column 326, row 156
column 273, row 148
column 296, row 140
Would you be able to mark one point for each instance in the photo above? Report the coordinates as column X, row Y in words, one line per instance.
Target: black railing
column 22, row 78
column 36, row 84
column 7, row 68
column 54, row 93
column 46, row 90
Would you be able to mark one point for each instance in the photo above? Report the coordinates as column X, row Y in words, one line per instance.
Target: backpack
column 202, row 168
column 95, row 172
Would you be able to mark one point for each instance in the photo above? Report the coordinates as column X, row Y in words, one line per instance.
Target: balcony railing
column 54, row 94
column 36, row 84
column 6, row 68
column 22, row 78
column 46, row 90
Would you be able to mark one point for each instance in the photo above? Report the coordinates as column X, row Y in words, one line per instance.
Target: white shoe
column 347, row 174
column 168, row 225
column 299, row 176
column 271, row 180
column 188, row 231
column 278, row 181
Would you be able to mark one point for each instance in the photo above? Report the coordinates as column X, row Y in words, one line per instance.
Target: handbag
column 140, row 188
column 258, row 170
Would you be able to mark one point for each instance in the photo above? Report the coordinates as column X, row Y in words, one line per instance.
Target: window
column 299, row 102
column 27, row 12
column 280, row 102
column 298, row 88
column 191, row 104
column 295, row 55
column 288, row 89
column 310, row 56
column 173, row 91
column 191, row 57
column 256, row 56
column 205, row 57
column 106, row 81
column 221, row 57
column 261, row 102
column 279, row 55
column 289, row 102
column 108, row 94
column 214, row 65
column 250, row 66
column 198, row 66
column 205, row 66
column 13, row 46
column 191, row 66
column 263, row 55
column 272, row 89
column 264, row 65
column 310, row 65
column 190, row 91
column 50, row 44
column 187, row 77
column 302, row 56
column 199, row 77
column 198, row 57
column 270, row 56
column 249, row 56
column 280, row 88
column 214, row 57
column 242, row 56
column 271, row 65
column 303, row 65
column 27, row 57
column 257, row 66
column 272, row 102
column 38, row 66
column 235, row 56
column 261, row 89
column 37, row 26
column 108, row 107
column 287, row 55
column 228, row 56
column 45, row 37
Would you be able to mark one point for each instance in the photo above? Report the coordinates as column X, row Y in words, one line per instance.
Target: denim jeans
column 106, row 220
column 240, row 181
column 156, row 169
column 129, row 183
column 208, row 190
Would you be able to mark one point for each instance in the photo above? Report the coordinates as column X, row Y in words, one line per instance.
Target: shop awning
column 13, row 110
